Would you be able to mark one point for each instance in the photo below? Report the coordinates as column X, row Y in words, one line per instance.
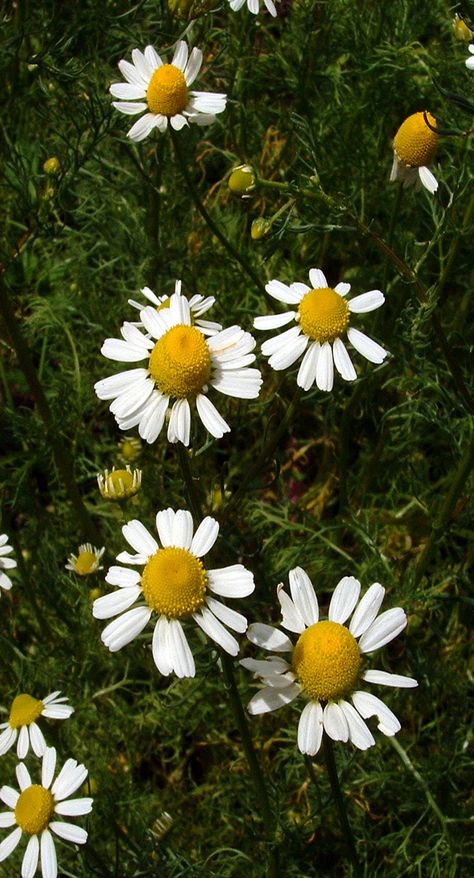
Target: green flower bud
column 260, row 229
column 242, row 180
column 186, row 10
column 52, row 165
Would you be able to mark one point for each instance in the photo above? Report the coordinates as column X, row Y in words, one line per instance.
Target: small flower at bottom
column 163, row 90
column 321, row 318
column 326, row 664
column 86, row 561
column 5, row 563
column 175, row 586
column 24, row 712
column 414, row 148
column 33, row 809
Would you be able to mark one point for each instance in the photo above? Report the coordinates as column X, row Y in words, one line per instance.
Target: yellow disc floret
column 34, row 809
column 86, row 563
column 415, row 143
column 120, row 484
column 167, row 91
column 323, row 314
column 24, row 710
column 174, row 583
column 180, row 362
column 326, row 660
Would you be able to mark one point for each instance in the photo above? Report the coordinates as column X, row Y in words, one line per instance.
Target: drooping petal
column 359, row 733
column 30, row 858
column 310, row 728
column 227, row 615
column 269, row 699
column 9, row 843
column 369, row 705
column 216, row 631
column 335, row 722
column 69, row 831
column 179, row 651
column 366, row 346
column 325, row 368
column 49, row 863
column 385, row 628
column 160, row 649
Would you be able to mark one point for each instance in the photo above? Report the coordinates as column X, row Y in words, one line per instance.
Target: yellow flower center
column 415, row 143
column 174, row 583
column 119, row 485
column 86, row 563
column 34, row 809
column 130, row 448
column 180, row 362
column 326, row 660
column 323, row 314
column 167, row 91
column 24, row 711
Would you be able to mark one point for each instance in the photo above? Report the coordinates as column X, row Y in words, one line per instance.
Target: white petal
column 127, row 91
column 48, row 767
column 37, row 740
column 266, row 667
column 9, row 796
column 7, row 739
column 179, row 427
column 309, row 364
column 342, row 360
column 216, row 631
column 142, row 128
column 288, row 355
column 131, row 74
column 228, row 616
column 342, row 288
column 151, row 422
column 369, row 705
column 274, row 321
column 23, row 776
column 49, row 864
column 180, row 57
column 205, row 537
column 30, row 858
column 269, row 638
column 123, row 351
column 304, row 596
column 179, row 651
column 335, row 722
column 112, row 604
column 269, row 699
column 344, row 599
column 139, row 538
column 193, row 66
column 182, row 529
column 317, row 279
column 178, row 122
column 9, row 843
column 325, row 368
column 359, row 733
column 164, row 526
column 385, row 628
column 23, row 744
column 282, row 292
column 210, row 417
column 114, row 385
column 122, row 576
column 7, row 819
column 130, row 108
column 74, row 807
column 310, row 728
column 152, row 58
column 69, row 831
column 385, row 679
column 428, row 179
column 161, row 653
column 366, row 346
column 367, row 609
column 69, row 779
column 231, row 582
column 291, row 617
column 142, row 67
column 278, row 342
column 124, row 629
column 366, row 302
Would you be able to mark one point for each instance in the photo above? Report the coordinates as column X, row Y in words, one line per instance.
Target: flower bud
column 242, row 181
column 260, row 229
column 461, row 31
column 52, row 166
column 120, row 484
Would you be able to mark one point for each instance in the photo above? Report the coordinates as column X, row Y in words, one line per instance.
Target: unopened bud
column 242, row 180
column 260, row 229
column 461, row 31
column 52, row 165
column 186, row 10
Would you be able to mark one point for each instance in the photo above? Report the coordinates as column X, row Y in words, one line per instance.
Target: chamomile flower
column 33, row 810
column 175, row 587
column 198, row 305
column 5, row 563
column 86, row 561
column 414, row 148
column 322, row 316
column 469, row 62
column 326, row 665
column 162, row 92
column 253, row 6
column 120, row 484
column 24, row 712
column 181, row 365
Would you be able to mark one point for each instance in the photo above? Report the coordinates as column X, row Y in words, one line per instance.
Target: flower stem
column 208, row 219
column 341, row 805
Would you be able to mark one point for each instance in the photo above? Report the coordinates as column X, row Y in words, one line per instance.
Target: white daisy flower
column 469, row 62
column 24, row 712
column 326, row 663
column 253, row 6
column 414, row 148
column 176, row 587
column 5, row 563
column 86, row 561
column 197, row 305
column 32, row 811
column 182, row 363
column 162, row 92
column 322, row 316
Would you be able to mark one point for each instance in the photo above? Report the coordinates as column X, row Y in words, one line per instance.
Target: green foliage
column 362, row 480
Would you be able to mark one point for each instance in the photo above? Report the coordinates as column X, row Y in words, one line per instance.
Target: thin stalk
column 341, row 805
column 208, row 219
column 60, row 453
column 391, row 229
column 191, row 488
column 421, row 781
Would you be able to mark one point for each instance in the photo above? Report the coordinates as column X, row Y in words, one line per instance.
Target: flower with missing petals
column 175, row 587
column 326, row 664
column 162, row 92
column 120, row 484
column 86, row 561
column 322, row 316
column 24, row 712
column 34, row 809
column 198, row 305
column 5, row 563
column 414, row 148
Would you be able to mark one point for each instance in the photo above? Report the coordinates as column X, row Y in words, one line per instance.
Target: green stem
column 189, row 484
column 391, row 229
column 341, row 805
column 458, row 482
column 208, row 219
column 421, row 781
column 58, row 447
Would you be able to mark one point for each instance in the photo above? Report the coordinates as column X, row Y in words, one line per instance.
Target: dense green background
column 365, row 479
